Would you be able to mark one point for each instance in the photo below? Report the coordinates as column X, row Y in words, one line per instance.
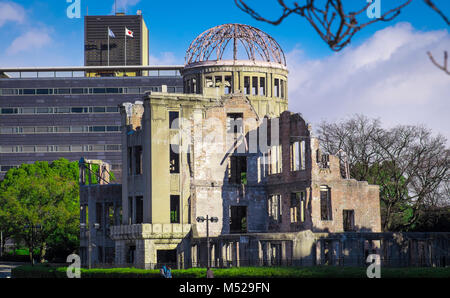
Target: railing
column 86, row 71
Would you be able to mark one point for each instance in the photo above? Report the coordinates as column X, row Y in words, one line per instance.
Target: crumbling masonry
column 227, row 147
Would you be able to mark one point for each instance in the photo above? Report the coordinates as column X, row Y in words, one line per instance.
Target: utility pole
column 208, row 219
column 88, row 230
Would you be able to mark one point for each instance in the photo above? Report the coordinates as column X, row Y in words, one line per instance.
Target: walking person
column 168, row 272
column 163, row 271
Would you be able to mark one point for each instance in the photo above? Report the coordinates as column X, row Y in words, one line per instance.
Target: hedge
column 47, row 271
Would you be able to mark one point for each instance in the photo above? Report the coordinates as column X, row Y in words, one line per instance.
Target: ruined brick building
column 227, row 147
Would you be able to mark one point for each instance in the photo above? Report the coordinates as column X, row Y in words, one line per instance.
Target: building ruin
column 228, row 147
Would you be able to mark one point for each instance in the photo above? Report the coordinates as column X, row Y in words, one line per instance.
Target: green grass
column 46, row 271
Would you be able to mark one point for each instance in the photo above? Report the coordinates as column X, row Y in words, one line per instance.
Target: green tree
column 40, row 204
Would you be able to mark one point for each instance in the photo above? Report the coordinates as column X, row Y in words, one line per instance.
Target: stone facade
column 229, row 149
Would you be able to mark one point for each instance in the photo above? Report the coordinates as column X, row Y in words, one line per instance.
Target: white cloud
column 123, row 5
column 164, row 58
column 30, row 40
column 10, row 11
column 389, row 76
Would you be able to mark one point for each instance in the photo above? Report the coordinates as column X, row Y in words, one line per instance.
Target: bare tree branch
column 335, row 26
column 431, row 4
column 444, row 66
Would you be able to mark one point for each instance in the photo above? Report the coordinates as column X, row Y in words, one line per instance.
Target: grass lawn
column 237, row 272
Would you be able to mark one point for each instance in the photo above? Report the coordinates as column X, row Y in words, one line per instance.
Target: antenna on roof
column 115, row 7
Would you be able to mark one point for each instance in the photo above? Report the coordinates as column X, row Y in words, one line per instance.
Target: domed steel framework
column 257, row 44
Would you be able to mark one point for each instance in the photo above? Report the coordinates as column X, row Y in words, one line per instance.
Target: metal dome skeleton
column 257, row 44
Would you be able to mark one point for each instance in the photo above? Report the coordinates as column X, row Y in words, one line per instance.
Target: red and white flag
column 128, row 32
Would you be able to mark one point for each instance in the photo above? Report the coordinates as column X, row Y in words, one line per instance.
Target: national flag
column 128, row 32
column 110, row 33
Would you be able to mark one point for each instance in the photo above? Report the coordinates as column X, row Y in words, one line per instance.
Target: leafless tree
column 408, row 162
column 335, row 25
column 444, row 66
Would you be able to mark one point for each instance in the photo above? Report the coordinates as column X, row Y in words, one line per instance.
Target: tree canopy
column 408, row 162
column 39, row 206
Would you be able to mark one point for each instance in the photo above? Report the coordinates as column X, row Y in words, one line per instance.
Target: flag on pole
column 110, row 33
column 128, row 32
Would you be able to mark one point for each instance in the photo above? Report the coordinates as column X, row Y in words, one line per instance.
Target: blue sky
column 384, row 73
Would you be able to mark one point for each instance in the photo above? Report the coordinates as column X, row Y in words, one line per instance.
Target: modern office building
column 52, row 112
column 96, row 37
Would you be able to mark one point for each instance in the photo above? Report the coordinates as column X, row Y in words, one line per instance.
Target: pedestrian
column 168, row 272
column 209, row 273
column 163, row 271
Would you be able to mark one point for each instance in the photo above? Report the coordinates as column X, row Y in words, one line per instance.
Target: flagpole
column 125, row 46
column 108, row 46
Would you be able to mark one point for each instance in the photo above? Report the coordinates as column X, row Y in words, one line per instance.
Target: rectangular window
column 274, row 208
column 112, row 109
column 254, row 85
column 174, row 159
column 28, row 149
column 98, row 214
column 44, row 110
column 209, row 82
column 44, row 91
column 96, row 128
column 76, row 148
column 139, row 209
column 262, row 86
column 63, row 148
column 276, row 88
column 275, row 160
column 138, row 158
column 63, row 129
column 325, row 203
column 295, row 156
column 130, row 160
column 113, row 128
column 113, row 147
column 77, row 129
column 174, row 209
column 349, row 220
column 133, row 90
column 298, row 200
column 247, row 85
column 227, row 86
column 77, row 110
column 65, row 110
column 235, row 123
column 237, row 170
column 8, row 130
column 62, row 91
column 78, row 91
column 99, row 90
column 113, row 90
column 130, row 210
column 28, row 129
column 9, row 111
column 174, row 120
column 110, row 214
column 41, row 149
column 282, row 88
column 29, row 91
column 99, row 109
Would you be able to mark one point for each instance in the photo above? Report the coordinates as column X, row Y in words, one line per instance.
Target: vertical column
column 260, row 254
column 237, row 254
column 318, row 252
column 283, row 253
